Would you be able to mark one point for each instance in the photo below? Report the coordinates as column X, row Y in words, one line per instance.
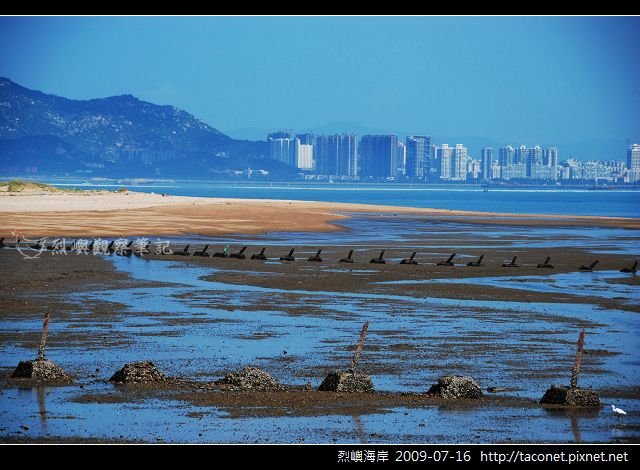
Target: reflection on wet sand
column 575, row 416
column 41, row 392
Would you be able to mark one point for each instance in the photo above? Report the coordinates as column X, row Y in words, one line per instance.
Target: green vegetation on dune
column 17, row 186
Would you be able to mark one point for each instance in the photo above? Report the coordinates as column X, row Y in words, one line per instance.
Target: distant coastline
column 619, row 202
column 90, row 181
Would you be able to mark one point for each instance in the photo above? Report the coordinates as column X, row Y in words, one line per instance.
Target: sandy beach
column 101, row 213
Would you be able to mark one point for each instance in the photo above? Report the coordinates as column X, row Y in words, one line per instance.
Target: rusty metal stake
column 43, row 338
column 356, row 355
column 576, row 368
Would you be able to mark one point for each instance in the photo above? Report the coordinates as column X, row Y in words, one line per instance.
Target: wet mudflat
column 200, row 319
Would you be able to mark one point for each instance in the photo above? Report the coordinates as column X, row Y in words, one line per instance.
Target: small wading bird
column 619, row 412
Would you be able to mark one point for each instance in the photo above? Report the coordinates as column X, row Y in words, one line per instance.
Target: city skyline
column 384, row 157
column 526, row 79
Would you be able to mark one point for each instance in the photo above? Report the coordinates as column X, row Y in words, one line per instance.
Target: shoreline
column 102, row 213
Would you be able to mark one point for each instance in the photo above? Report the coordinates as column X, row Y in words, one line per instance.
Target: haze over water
column 613, row 203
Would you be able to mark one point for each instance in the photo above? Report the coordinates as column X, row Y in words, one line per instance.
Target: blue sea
column 611, row 202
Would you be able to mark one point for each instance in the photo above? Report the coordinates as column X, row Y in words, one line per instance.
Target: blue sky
column 518, row 79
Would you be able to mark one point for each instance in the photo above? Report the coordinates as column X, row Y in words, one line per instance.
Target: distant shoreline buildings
column 384, row 157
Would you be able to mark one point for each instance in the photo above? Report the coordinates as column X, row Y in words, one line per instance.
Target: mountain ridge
column 117, row 134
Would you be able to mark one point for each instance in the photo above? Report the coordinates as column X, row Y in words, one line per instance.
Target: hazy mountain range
column 119, row 135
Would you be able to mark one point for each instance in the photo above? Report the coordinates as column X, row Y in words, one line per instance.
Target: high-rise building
column 633, row 163
column 282, row 148
column 520, row 155
column 528, row 163
column 306, row 139
column 303, row 149
column 336, row 155
column 459, row 163
column 325, row 155
column 453, row 162
column 633, row 157
column 418, row 149
column 347, row 149
column 303, row 155
column 515, row 171
column 495, row 171
column 519, row 162
column 486, row 162
column 506, row 156
column 550, row 159
column 435, row 165
column 401, row 159
column 444, row 155
column 533, row 158
column 379, row 156
column 282, row 134
column 539, row 172
column 473, row 168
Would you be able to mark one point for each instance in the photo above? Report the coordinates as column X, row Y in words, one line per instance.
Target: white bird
column 618, row 411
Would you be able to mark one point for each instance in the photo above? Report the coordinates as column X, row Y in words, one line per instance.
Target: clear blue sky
column 519, row 79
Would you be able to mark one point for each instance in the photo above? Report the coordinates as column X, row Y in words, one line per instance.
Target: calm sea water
column 616, row 202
